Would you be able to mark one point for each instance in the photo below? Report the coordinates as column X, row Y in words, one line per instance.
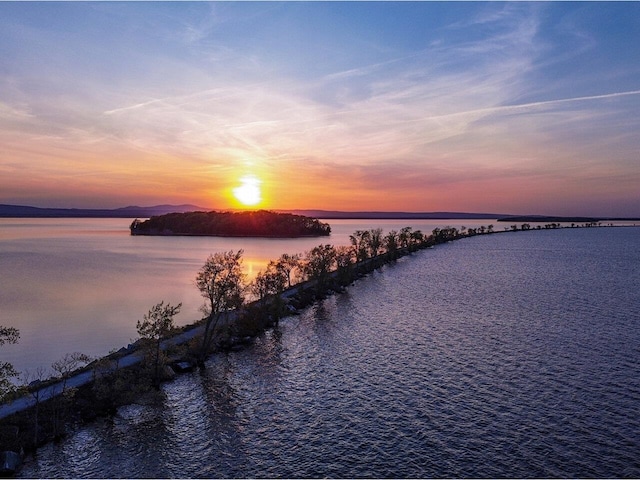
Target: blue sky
column 508, row 107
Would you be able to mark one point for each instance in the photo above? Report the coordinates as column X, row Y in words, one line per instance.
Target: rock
column 168, row 373
column 9, row 462
column 183, row 366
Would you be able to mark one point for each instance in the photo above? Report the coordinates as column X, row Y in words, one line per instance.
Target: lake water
column 512, row 355
column 81, row 284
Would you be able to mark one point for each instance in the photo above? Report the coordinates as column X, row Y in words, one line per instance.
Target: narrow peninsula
column 261, row 223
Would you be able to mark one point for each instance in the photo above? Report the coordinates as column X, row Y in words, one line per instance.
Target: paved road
column 48, row 392
column 80, row 379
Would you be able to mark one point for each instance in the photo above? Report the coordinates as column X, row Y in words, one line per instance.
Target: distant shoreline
column 554, row 219
column 23, row 211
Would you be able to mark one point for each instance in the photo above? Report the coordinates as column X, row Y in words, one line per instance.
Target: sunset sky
column 523, row 108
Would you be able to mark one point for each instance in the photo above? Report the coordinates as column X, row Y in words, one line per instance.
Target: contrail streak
column 132, row 107
column 178, row 100
column 544, row 103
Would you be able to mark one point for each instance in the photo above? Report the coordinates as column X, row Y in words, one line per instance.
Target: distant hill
column 16, row 211
column 332, row 214
column 146, row 212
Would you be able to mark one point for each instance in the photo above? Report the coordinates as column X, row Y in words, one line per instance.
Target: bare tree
column 221, row 283
column 157, row 325
column 67, row 364
column 60, row 403
column 32, row 382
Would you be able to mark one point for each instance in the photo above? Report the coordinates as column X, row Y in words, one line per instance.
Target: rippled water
column 512, row 355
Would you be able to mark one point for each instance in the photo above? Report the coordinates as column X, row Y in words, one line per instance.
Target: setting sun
column 248, row 193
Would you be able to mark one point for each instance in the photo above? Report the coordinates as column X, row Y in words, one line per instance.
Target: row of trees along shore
column 234, row 311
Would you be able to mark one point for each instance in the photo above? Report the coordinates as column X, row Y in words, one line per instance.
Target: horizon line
column 344, row 214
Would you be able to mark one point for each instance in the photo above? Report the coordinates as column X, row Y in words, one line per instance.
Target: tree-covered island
column 261, row 223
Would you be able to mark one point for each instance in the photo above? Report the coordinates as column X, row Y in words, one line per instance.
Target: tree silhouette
column 272, row 281
column 404, row 237
column 319, row 262
column 360, row 242
column 64, row 367
column 157, row 325
column 391, row 243
column 261, row 223
column 287, row 263
column 375, row 242
column 7, row 371
column 31, row 383
column 416, row 238
column 220, row 281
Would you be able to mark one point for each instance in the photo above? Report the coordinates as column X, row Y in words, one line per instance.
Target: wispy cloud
column 8, row 111
column 382, row 110
column 133, row 107
column 437, row 111
column 535, row 105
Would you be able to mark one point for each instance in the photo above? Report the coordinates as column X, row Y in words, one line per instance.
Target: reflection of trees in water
column 325, row 324
column 196, row 431
column 217, row 384
column 225, row 422
column 132, row 441
column 189, row 428
column 267, row 352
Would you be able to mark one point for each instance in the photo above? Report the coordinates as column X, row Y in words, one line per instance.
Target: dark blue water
column 512, row 355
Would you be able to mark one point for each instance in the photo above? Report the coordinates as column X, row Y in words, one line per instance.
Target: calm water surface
column 514, row 355
column 81, row 284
